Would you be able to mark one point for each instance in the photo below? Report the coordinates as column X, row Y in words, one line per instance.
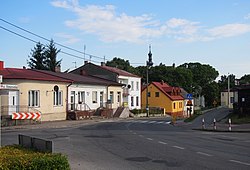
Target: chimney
column 58, row 69
column 162, row 82
column 102, row 64
column 1, row 65
column 83, row 73
column 85, row 62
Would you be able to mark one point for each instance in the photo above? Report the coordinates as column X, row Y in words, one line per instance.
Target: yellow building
column 26, row 90
column 162, row 95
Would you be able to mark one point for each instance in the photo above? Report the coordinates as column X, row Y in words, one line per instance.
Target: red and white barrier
column 26, row 115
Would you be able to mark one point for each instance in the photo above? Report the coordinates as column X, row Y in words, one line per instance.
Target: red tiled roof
column 119, row 71
column 165, row 88
column 84, row 79
column 29, row 74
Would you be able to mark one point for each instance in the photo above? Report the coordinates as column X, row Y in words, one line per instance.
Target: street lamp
column 149, row 63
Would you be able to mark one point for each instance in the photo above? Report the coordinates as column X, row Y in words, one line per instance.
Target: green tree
column 37, row 58
column 203, row 74
column 121, row 64
column 50, row 53
column 211, row 93
column 245, row 79
column 223, row 82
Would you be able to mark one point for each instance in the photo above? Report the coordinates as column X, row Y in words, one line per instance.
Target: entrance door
column 13, row 102
column 72, row 100
column 101, row 98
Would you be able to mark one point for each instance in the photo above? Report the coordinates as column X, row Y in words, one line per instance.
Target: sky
column 214, row 32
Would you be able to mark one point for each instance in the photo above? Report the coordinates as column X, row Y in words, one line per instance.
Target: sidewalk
column 57, row 124
column 220, row 127
column 223, row 127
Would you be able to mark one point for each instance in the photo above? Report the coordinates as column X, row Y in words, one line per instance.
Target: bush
column 16, row 157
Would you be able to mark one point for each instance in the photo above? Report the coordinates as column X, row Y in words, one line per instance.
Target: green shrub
column 17, row 158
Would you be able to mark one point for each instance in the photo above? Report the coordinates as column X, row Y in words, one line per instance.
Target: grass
column 239, row 120
column 194, row 116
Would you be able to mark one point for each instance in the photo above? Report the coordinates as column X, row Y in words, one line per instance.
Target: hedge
column 17, row 158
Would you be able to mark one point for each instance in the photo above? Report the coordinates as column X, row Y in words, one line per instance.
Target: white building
column 131, row 94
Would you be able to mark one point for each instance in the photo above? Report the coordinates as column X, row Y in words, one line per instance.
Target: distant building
column 228, row 99
column 162, row 95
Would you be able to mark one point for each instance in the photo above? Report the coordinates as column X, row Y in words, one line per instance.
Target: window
column 111, row 96
column 132, row 85
column 149, row 94
column 94, row 96
column 58, row 98
column 137, row 101
column 137, row 86
column 81, row 97
column 118, row 97
column 34, row 98
column 231, row 99
column 180, row 105
column 174, row 105
column 132, row 101
column 157, row 94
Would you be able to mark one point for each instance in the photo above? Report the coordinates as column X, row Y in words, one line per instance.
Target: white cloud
column 70, row 39
column 229, row 30
column 109, row 26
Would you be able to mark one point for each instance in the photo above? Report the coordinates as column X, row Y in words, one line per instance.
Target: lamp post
column 149, row 63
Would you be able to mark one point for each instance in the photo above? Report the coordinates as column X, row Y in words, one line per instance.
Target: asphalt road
column 143, row 144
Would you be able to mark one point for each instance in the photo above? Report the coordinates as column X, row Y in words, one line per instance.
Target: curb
column 233, row 131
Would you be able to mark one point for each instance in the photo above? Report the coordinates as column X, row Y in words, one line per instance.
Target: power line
column 69, row 48
column 72, row 55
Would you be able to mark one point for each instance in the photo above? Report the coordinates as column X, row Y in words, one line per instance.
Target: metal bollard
column 203, row 123
column 230, row 127
column 214, row 124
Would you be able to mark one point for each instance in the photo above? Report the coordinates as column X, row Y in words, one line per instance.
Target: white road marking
column 149, row 139
column 164, row 143
column 144, row 121
column 152, row 122
column 202, row 153
column 239, row 162
column 134, row 133
column 178, row 147
column 141, row 135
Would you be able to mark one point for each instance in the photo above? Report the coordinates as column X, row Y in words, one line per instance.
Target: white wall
column 133, row 91
column 88, row 89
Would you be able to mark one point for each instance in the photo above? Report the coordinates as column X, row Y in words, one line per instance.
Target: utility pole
column 228, row 90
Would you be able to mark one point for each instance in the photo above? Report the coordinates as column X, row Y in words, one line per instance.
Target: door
column 13, row 102
column 101, row 98
column 72, row 100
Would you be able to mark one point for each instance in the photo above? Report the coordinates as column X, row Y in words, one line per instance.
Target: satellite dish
column 56, row 88
column 129, row 86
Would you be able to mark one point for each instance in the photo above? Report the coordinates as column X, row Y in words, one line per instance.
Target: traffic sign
column 25, row 115
column 189, row 96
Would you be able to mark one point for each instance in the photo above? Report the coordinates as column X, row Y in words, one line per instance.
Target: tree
column 245, row 79
column 51, row 56
column 203, row 74
column 223, row 82
column 37, row 58
column 211, row 93
column 121, row 64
